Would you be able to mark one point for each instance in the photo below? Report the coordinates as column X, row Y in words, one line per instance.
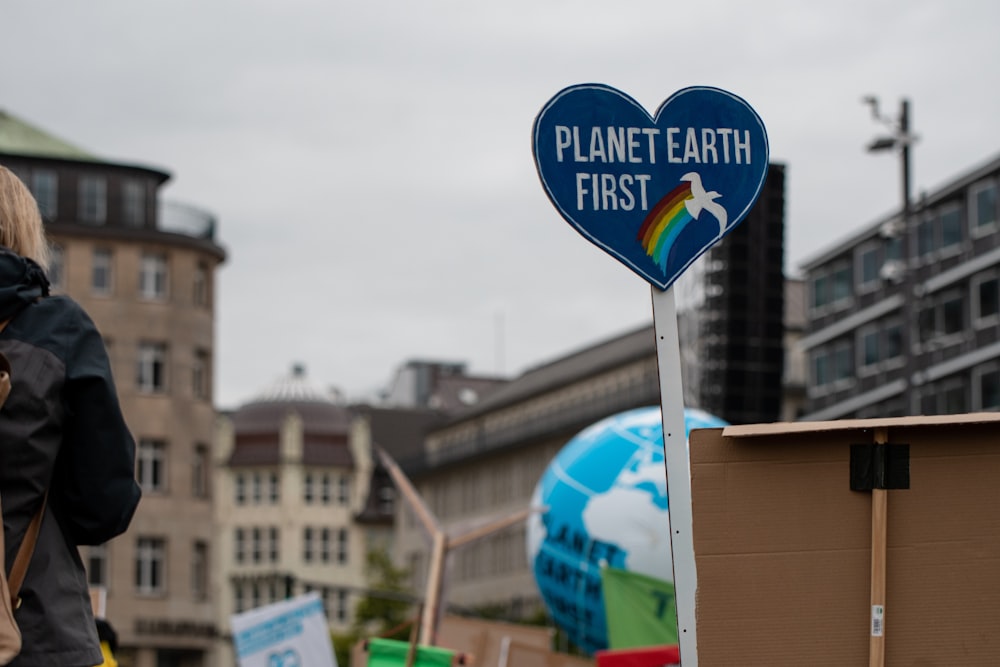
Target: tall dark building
column 731, row 316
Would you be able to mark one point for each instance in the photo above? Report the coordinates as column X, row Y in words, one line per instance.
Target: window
column 199, row 288
column 894, row 248
column 57, row 267
column 843, row 363
column 307, row 488
column 45, row 188
column 952, row 314
column 946, row 317
column 254, row 594
column 150, row 556
column 868, row 267
column 199, row 374
column 893, row 348
column 841, row 283
column 273, row 543
column 834, row 363
column 832, row 287
column 342, row 546
column 341, row 611
column 199, row 570
column 950, row 220
column 821, row 368
column 274, row 488
column 324, row 545
column 989, row 389
column 986, row 297
column 307, row 544
column 97, row 565
column 151, row 459
column 151, row 376
column 100, row 271
column 133, row 203
column 239, row 545
column 983, row 208
column 870, row 347
column 239, row 598
column 925, row 237
column 199, row 471
column 153, row 277
column 344, row 489
column 93, row 200
column 257, row 488
column 325, row 485
column 879, row 343
column 820, row 291
column 240, row 489
column 256, row 545
column 953, row 397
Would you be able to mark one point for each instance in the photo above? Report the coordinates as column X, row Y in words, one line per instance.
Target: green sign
column 641, row 610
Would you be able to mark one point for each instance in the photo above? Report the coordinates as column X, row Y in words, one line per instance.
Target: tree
column 389, row 602
column 384, row 610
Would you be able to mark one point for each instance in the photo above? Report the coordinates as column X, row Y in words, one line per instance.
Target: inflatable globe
column 606, row 500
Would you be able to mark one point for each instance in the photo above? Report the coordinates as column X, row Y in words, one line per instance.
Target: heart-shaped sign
column 654, row 192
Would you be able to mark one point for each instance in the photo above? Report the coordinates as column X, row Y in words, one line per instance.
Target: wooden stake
column 880, row 497
column 411, row 651
column 435, row 583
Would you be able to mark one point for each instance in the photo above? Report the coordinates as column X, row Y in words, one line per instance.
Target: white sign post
column 290, row 633
column 678, row 462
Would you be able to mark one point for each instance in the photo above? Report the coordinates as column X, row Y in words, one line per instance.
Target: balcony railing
column 186, row 219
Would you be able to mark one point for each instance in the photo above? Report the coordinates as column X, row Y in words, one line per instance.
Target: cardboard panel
column 783, row 546
column 522, row 655
column 483, row 640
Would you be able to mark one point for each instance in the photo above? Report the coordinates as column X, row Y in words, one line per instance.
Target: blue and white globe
column 606, row 494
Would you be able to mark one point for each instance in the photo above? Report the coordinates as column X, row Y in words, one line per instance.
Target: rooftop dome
column 292, row 393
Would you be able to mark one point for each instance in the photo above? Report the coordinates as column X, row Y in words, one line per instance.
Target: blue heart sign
column 654, row 192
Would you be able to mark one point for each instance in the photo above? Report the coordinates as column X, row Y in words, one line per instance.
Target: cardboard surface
column 783, row 546
column 484, row 640
column 523, row 655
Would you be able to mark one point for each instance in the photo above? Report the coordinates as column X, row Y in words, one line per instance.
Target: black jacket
column 61, row 429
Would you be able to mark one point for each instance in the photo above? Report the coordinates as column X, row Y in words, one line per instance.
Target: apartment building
column 904, row 315
column 145, row 271
column 289, row 485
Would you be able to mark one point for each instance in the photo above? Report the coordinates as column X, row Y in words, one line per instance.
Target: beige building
column 145, row 273
column 289, row 482
column 485, row 462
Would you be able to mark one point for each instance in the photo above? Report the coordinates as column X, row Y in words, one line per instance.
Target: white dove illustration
column 704, row 200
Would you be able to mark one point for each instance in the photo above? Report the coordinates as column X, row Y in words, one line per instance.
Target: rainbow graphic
column 664, row 223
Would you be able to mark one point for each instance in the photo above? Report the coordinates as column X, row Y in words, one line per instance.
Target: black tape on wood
column 880, row 466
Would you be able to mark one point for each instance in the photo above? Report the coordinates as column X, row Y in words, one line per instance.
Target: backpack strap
column 24, row 553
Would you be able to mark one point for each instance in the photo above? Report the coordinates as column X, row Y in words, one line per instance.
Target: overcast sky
column 370, row 162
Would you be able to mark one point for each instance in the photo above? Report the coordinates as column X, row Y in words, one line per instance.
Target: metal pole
column 910, row 257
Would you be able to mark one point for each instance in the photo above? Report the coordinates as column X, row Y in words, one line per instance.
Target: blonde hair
column 21, row 227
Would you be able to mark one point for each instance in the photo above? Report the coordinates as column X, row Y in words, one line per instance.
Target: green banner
column 640, row 610
column 392, row 653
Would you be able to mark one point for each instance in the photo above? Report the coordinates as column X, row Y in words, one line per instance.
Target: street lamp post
column 900, row 138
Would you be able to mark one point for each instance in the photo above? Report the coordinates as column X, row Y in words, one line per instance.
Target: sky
column 370, row 163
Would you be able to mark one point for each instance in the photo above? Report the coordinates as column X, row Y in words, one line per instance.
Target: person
column 62, row 433
column 109, row 642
